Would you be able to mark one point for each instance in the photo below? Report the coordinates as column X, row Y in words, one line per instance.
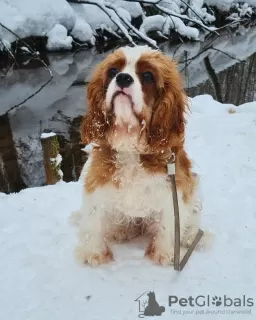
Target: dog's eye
column 147, row 77
column 112, row 72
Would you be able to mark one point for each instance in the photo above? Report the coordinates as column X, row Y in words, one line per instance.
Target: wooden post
column 52, row 158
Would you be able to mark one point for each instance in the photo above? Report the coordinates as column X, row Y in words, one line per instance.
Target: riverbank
column 46, row 25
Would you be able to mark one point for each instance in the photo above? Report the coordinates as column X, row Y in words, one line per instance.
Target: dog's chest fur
column 139, row 193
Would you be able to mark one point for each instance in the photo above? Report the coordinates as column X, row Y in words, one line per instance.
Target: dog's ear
column 95, row 123
column 168, row 117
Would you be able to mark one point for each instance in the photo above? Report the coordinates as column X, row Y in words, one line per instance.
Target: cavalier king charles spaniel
column 135, row 123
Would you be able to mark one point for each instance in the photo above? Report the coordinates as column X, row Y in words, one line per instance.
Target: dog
column 153, row 308
column 135, row 123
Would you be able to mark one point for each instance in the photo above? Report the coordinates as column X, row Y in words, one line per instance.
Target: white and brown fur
column 125, row 187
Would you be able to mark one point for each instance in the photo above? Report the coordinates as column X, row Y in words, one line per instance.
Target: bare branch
column 230, row 24
column 184, row 17
column 33, row 52
column 110, row 13
column 169, row 12
column 140, row 34
column 153, row 2
column 192, row 10
column 5, row 72
column 214, row 79
column 37, row 91
column 227, row 54
column 35, row 55
column 8, row 50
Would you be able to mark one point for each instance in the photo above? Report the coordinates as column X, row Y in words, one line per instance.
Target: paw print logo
column 216, row 301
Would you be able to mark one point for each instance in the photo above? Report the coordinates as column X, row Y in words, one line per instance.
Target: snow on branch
column 110, row 13
column 79, row 22
column 138, row 33
column 160, row 22
column 184, row 17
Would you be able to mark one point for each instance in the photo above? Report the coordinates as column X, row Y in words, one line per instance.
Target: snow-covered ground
column 39, row 279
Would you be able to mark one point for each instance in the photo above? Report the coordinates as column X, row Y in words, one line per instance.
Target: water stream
column 224, row 67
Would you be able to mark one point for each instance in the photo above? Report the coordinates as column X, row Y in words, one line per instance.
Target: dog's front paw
column 159, row 256
column 85, row 256
column 204, row 244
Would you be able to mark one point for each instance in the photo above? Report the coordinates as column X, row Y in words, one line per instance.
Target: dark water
column 224, row 67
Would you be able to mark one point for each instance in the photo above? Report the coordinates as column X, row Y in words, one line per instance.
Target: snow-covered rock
column 82, row 31
column 35, row 18
column 58, row 38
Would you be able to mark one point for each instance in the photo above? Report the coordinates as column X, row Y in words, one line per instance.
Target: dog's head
column 135, row 97
column 151, row 295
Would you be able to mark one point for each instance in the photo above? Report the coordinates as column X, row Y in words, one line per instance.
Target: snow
column 36, row 18
column 172, row 5
column 104, row 21
column 88, row 148
column 89, row 13
column 41, row 280
column 46, row 135
column 63, row 21
column 153, row 23
column 196, row 5
column 182, row 29
column 165, row 24
column 57, row 160
column 58, row 18
column 58, row 38
column 82, row 31
column 225, row 5
column 134, row 9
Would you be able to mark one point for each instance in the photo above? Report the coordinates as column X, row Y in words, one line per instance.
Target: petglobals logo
column 210, row 301
column 207, row 305
column 150, row 306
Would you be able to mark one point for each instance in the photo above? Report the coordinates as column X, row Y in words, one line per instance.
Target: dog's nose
column 124, row 80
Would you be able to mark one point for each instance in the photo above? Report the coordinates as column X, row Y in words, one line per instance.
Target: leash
column 179, row 265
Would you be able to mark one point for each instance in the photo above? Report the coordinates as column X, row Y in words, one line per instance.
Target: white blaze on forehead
column 132, row 55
